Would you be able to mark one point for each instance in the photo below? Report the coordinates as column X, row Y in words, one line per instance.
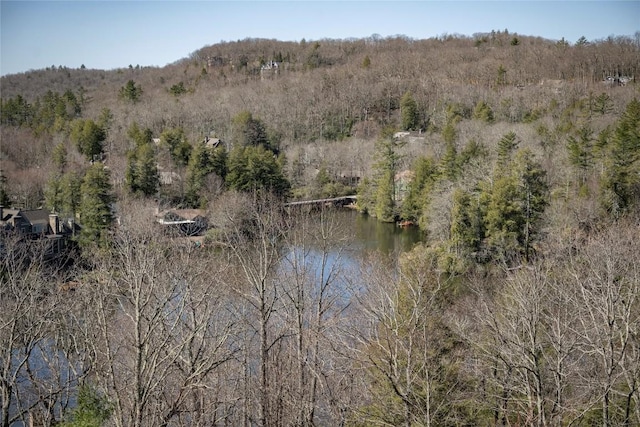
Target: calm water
column 364, row 235
column 387, row 238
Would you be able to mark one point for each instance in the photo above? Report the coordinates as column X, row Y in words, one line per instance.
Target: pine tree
column 426, row 174
column 516, row 203
column 88, row 137
column 501, row 79
column 507, row 144
column 106, row 119
column 483, row 112
column 4, row 195
column 138, row 135
column 249, row 131
column 131, row 92
column 622, row 176
column 503, row 218
column 580, row 147
column 256, row 169
column 409, row 112
column 179, row 147
column 467, row 226
column 603, row 104
column 71, row 193
column 449, row 162
column 384, row 208
column 219, row 162
column 449, row 133
column 95, row 204
column 199, row 167
column 385, row 169
column 534, row 196
column 54, row 194
column 142, row 170
column 93, row 409
column 59, row 157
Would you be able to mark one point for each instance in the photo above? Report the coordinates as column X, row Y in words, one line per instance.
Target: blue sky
column 114, row 34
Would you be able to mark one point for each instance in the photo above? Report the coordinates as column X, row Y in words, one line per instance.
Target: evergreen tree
column 95, row 204
column 179, row 147
column 93, row 409
column 219, row 162
column 603, row 104
column 426, row 174
column 59, row 157
column 483, row 112
column 53, row 111
column 131, row 174
column 142, row 170
column 580, row 147
column 106, row 119
column 622, row 175
column 449, row 163
column 255, row 169
column 507, row 144
column 200, row 165
column 178, row 89
column 409, row 112
column 467, row 225
column 449, row 133
column 385, row 169
column 504, row 220
column 582, row 41
column 366, row 196
column 131, row 92
column 4, row 195
column 384, row 208
column 88, row 137
column 71, row 183
column 501, row 79
column 71, row 104
column 15, row 112
column 471, row 150
column 516, row 203
column 139, row 136
column 249, row 131
column 534, row 196
column 54, row 194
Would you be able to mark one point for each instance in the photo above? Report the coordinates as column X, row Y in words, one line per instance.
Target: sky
column 115, row 34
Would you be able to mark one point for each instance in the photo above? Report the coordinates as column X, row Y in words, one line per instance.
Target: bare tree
column 39, row 362
column 160, row 333
column 254, row 241
column 606, row 274
column 399, row 339
column 508, row 334
column 314, row 286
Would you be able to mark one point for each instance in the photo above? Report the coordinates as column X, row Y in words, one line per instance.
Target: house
column 189, row 222
column 38, row 224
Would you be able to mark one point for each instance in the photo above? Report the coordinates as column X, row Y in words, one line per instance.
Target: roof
column 38, row 216
column 180, row 215
column 7, row 214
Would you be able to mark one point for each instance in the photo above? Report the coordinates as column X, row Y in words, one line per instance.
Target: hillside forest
column 517, row 158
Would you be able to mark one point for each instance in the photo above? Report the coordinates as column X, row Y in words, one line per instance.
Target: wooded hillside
column 518, row 157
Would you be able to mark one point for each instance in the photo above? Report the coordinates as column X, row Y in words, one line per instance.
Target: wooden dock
column 335, row 201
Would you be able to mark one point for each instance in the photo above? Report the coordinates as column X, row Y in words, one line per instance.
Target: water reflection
column 372, row 235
